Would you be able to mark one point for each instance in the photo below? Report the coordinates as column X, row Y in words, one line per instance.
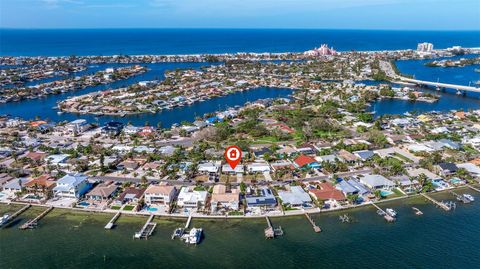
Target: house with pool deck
column 161, row 195
column 71, row 186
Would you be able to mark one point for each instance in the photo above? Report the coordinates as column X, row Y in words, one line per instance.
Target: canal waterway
column 438, row 239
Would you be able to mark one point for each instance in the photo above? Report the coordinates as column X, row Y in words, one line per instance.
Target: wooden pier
column 31, row 224
column 147, row 229
column 270, row 231
column 20, row 211
column 188, row 222
column 437, row 203
column 473, row 188
column 111, row 223
column 385, row 215
column 315, row 227
column 460, row 198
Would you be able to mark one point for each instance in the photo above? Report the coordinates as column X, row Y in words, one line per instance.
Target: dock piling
column 111, row 223
column 31, row 224
column 441, row 205
column 315, row 227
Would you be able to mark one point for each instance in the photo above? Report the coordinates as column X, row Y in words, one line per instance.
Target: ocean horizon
column 106, row 41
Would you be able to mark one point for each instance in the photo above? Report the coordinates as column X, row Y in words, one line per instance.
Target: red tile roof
column 326, row 192
column 303, row 160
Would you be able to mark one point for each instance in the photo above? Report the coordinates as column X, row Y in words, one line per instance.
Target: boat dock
column 147, row 229
column 271, row 232
column 473, row 188
column 20, row 211
column 315, row 227
column 31, row 224
column 437, row 203
column 188, row 222
column 460, row 198
column 385, row 215
column 111, row 223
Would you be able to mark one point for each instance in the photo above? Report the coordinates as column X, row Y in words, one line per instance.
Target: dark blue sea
column 191, row 41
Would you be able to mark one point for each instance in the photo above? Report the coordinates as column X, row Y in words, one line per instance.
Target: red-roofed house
column 327, row 192
column 306, row 161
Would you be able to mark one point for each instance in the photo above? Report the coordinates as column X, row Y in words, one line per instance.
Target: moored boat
column 4, row 219
column 469, row 197
column 391, row 212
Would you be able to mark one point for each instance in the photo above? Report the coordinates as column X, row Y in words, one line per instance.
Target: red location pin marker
column 233, row 155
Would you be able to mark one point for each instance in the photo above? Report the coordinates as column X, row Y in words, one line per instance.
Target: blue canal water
column 175, row 41
column 187, row 41
column 43, row 107
column 449, row 100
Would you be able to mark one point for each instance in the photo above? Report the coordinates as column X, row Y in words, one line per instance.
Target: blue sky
column 333, row 14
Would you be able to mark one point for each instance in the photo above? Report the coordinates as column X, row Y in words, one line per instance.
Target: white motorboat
column 391, row 212
column 469, row 197
column 4, row 219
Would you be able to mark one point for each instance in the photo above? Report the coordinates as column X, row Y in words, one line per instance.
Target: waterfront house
column 222, row 199
column 377, row 182
column 130, row 130
column 189, row 197
column 264, row 198
column 76, row 127
column 41, row 184
column 160, row 195
column 102, row 191
column 326, row 192
column 295, row 197
column 419, row 171
column 15, row 185
column 112, row 128
column 130, row 195
column 346, row 188
column 71, row 186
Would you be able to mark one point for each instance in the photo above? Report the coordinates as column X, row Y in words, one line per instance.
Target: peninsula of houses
column 318, row 150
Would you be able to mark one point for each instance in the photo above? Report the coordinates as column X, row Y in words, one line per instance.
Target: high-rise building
column 425, row 47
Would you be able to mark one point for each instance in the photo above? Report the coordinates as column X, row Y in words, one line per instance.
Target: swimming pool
column 152, row 209
column 385, row 193
column 84, row 203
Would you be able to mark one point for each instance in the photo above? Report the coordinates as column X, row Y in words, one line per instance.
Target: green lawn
column 115, row 207
column 128, row 207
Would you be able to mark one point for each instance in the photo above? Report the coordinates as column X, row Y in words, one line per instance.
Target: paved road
column 188, row 183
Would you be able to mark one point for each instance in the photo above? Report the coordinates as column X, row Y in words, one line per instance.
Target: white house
column 227, row 169
column 191, row 198
column 71, row 186
column 295, row 197
column 76, row 127
column 258, row 167
column 377, row 182
column 161, row 195
column 209, row 167
column 221, row 199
